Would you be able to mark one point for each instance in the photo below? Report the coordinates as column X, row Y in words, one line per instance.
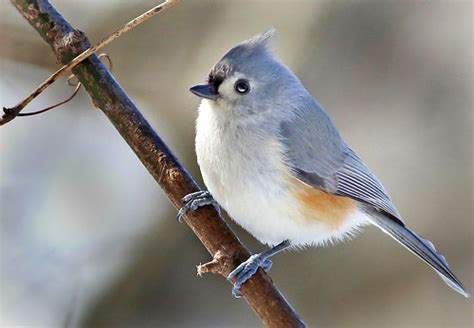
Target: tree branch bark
column 225, row 248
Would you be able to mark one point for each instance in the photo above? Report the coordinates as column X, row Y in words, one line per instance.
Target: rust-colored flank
column 322, row 206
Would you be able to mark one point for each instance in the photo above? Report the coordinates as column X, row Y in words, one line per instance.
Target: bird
column 272, row 158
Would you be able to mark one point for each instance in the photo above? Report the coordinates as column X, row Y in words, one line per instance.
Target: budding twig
column 11, row 113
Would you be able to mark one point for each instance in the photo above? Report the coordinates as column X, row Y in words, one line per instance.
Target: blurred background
column 88, row 239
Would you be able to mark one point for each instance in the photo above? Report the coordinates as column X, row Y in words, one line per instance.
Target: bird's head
column 249, row 79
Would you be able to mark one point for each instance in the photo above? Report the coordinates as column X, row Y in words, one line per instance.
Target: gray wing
column 320, row 158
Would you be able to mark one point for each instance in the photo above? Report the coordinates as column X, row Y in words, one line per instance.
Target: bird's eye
column 242, row 86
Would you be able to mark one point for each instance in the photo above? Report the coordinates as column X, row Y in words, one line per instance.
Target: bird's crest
column 252, row 47
column 262, row 41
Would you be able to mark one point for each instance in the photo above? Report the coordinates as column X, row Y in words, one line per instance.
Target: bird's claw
column 195, row 200
column 246, row 270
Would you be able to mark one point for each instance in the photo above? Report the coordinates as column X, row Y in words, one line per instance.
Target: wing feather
column 355, row 180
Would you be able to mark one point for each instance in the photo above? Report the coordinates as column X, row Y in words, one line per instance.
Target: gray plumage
column 320, row 159
column 278, row 108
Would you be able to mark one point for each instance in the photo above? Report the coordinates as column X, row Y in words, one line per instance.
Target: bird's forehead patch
column 218, row 74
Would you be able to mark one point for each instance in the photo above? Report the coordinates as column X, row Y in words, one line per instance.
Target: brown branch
column 260, row 292
column 11, row 113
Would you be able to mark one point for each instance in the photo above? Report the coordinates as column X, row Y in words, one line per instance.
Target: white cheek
column 226, row 89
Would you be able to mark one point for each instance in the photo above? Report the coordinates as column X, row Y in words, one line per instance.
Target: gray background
column 88, row 238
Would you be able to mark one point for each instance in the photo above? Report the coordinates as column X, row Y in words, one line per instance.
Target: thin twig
column 76, row 86
column 11, row 113
column 62, row 102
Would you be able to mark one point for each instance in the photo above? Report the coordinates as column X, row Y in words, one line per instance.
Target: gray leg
column 248, row 268
column 195, row 200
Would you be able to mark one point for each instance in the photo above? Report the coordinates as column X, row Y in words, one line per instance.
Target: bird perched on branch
column 272, row 158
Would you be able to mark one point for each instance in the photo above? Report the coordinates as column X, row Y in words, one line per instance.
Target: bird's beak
column 205, row 91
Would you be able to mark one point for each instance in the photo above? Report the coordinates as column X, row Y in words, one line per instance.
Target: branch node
column 220, row 264
column 75, row 41
column 8, row 111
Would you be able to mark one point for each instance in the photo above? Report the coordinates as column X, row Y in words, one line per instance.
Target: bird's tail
column 421, row 247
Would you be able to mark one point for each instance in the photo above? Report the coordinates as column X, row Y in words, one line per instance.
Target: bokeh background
column 89, row 240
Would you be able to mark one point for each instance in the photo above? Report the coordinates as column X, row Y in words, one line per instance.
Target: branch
column 259, row 292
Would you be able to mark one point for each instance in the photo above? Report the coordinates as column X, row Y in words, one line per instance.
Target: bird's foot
column 247, row 269
column 195, row 200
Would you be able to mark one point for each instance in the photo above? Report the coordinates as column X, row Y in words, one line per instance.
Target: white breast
column 244, row 171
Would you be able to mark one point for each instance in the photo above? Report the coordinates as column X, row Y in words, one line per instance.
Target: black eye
column 242, row 86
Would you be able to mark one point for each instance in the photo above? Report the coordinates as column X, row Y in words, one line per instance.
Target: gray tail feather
column 421, row 247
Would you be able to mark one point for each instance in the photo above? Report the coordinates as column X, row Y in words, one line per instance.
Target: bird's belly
column 247, row 176
column 267, row 202
column 273, row 213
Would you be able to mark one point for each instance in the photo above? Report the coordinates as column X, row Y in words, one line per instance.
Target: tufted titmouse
column 271, row 157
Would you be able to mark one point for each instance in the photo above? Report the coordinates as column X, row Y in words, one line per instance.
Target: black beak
column 205, row 91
